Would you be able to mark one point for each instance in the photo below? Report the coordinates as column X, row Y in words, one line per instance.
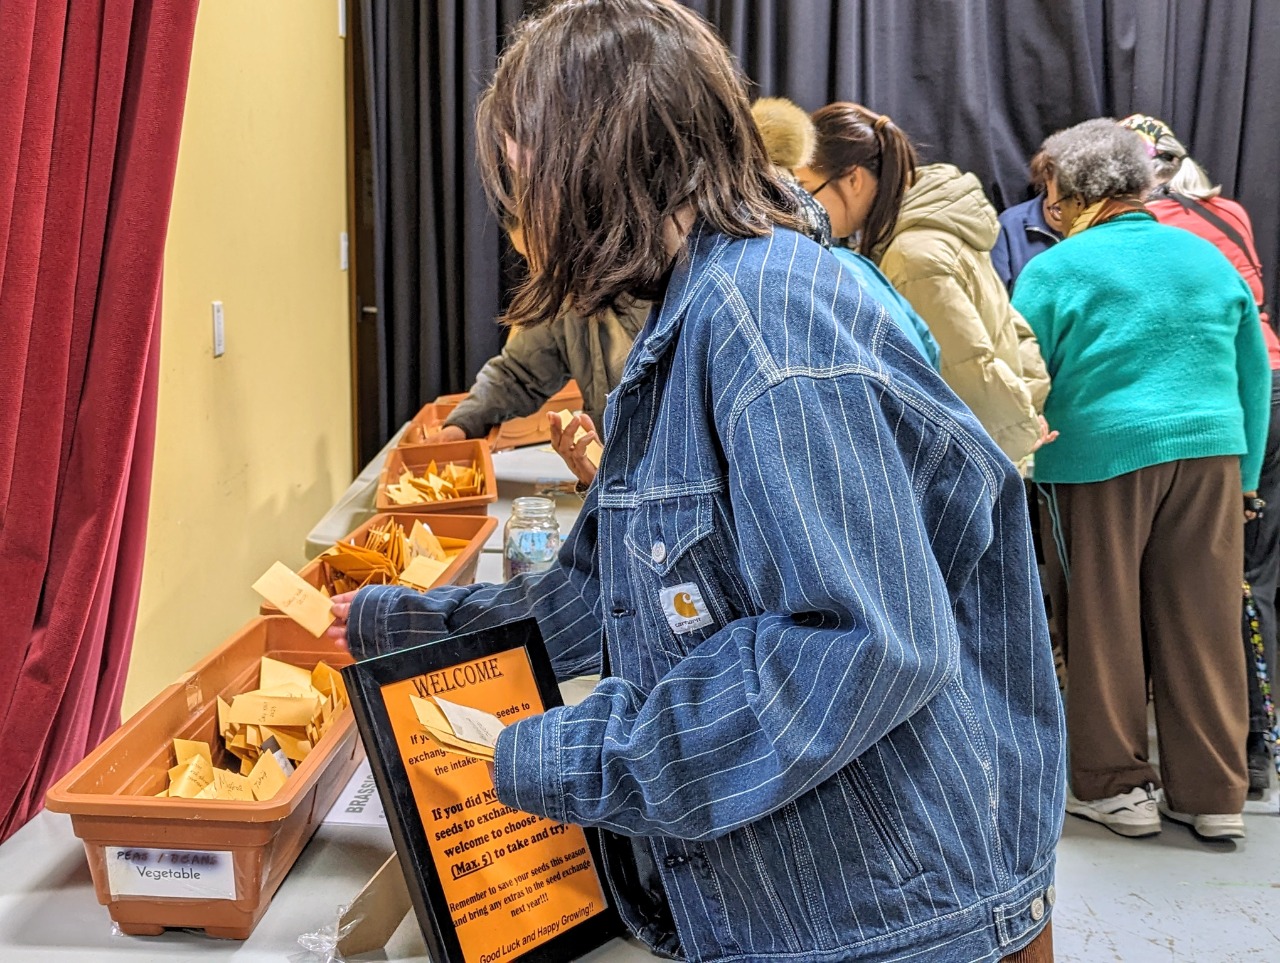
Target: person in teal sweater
column 1161, row 393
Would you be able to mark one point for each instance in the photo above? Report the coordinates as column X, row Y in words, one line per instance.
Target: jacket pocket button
column 1051, row 895
column 658, row 553
column 1037, row 909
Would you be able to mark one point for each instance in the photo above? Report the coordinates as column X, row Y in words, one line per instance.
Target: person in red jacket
column 1185, row 197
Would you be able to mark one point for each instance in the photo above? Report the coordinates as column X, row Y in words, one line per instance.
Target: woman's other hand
column 1047, row 436
column 573, row 452
column 442, row 434
column 1253, row 506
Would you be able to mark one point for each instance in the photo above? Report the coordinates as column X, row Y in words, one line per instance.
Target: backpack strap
column 1203, row 211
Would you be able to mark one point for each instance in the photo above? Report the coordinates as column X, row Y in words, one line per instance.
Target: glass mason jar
column 531, row 538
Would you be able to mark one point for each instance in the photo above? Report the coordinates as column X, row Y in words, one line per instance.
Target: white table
column 521, row 472
column 48, row 910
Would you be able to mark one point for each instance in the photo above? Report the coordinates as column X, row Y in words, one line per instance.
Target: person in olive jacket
column 539, row 362
column 931, row 230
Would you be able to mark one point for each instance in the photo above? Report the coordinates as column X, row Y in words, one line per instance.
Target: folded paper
column 190, row 778
column 424, row 542
column 184, row 749
column 423, row 572
column 458, row 729
column 267, row 777
column 472, row 725
column 436, row 484
column 259, row 710
column 274, row 674
column 296, row 598
column 264, row 732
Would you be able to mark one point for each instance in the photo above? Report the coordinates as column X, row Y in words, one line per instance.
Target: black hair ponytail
column 849, row 136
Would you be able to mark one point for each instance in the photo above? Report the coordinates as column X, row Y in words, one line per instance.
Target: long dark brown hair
column 849, row 136
column 619, row 113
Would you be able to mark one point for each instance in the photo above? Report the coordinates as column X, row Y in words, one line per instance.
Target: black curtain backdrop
column 978, row 84
column 437, row 250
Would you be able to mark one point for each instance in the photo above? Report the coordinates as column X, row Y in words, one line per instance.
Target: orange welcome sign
column 512, row 880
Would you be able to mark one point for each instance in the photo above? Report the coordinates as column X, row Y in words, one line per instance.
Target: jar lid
column 534, row 506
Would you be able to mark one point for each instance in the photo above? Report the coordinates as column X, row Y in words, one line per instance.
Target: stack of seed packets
column 437, row 484
column 389, row 556
column 268, row 730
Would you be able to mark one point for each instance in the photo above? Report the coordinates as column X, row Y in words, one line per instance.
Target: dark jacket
column 1024, row 233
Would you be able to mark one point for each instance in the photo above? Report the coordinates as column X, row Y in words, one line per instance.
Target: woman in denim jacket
column 828, row 727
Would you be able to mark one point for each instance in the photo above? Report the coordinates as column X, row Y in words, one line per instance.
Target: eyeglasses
column 814, row 192
column 1055, row 209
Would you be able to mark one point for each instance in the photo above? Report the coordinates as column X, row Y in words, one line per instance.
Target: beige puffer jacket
column 939, row 258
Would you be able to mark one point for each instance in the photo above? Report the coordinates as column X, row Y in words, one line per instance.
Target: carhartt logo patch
column 684, row 608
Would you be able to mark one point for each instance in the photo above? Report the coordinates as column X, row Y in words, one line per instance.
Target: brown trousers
column 1144, row 574
column 1039, row 950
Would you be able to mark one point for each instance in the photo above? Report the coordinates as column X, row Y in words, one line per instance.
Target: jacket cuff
column 362, row 623
column 527, row 772
column 473, row 423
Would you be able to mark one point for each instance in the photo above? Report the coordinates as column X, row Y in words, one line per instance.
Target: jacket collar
column 688, row 276
column 1036, row 222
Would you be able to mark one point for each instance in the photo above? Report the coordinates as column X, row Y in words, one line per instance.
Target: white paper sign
column 359, row 804
column 171, row 873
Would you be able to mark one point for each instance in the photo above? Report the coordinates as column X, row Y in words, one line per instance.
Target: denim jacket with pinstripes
column 829, row 727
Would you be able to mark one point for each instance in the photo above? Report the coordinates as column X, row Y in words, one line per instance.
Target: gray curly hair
column 1098, row 159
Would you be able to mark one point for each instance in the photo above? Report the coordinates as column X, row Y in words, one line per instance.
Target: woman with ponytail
column 789, row 141
column 931, row 230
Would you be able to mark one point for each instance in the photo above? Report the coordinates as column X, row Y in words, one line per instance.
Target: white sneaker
column 1209, row 825
column 1131, row 813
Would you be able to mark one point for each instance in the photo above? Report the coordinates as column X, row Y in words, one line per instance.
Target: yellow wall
column 254, row 446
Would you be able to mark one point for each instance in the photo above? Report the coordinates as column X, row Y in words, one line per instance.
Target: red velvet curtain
column 91, row 98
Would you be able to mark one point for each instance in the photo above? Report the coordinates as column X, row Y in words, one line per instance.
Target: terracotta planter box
column 476, row 529
column 431, row 417
column 417, row 457
column 111, row 796
column 516, row 433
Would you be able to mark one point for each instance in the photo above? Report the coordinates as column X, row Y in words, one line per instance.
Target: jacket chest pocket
column 683, row 560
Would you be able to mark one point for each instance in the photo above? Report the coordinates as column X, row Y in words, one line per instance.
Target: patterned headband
column 1152, row 131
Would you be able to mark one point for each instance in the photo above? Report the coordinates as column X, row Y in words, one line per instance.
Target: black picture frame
column 364, row 682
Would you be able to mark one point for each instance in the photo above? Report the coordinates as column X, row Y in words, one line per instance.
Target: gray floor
column 1172, row 898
